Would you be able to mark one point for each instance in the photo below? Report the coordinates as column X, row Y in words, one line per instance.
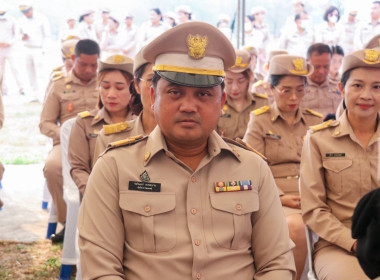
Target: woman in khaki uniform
column 141, row 106
column 277, row 131
column 339, row 165
column 239, row 102
column 114, row 78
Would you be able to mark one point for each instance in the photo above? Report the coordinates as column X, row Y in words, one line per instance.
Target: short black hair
column 346, row 76
column 135, row 101
column 86, row 46
column 157, row 11
column 319, row 48
column 337, row 49
column 329, row 10
column 297, row 17
column 81, row 18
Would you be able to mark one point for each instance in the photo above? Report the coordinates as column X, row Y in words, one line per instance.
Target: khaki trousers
column 54, row 180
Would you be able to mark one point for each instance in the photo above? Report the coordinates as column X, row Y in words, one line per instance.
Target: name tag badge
column 273, row 136
column 144, row 186
column 334, row 155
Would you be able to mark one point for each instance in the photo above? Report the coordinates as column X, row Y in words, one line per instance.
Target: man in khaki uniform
column 339, row 165
column 67, row 97
column 239, row 101
column 174, row 203
column 323, row 95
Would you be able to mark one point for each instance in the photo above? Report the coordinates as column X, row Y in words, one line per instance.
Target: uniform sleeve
column 254, row 134
column 79, row 155
column 50, row 115
column 315, row 211
column 100, row 224
column 271, row 245
column 100, row 146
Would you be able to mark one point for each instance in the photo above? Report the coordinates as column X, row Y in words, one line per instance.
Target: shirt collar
column 324, row 84
column 275, row 113
column 156, row 143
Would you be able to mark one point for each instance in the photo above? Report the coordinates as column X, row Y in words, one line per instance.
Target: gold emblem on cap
column 298, row 66
column 71, row 50
column 371, row 56
column 118, row 58
column 197, row 45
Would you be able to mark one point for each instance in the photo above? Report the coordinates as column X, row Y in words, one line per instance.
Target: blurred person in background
column 330, row 31
column 114, row 79
column 86, row 28
column 277, row 132
column 322, row 95
column 69, row 29
column 8, row 35
column 129, row 36
column 35, row 31
column 367, row 30
column 298, row 38
column 223, row 25
column 67, row 97
column 112, row 41
column 183, row 14
column 152, row 28
column 170, row 18
column 348, row 32
column 239, row 100
column 336, row 63
column 262, row 29
column 102, row 25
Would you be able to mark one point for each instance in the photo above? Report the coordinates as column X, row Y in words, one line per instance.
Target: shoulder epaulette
column 84, row 114
column 239, row 142
column 258, row 83
column 314, row 113
column 57, row 78
column 116, row 127
column 265, row 96
column 261, row 110
column 126, row 142
column 57, row 73
column 59, row 68
column 324, row 125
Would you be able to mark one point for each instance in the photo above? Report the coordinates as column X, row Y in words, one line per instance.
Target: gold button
column 238, row 207
column 193, row 211
column 197, row 242
column 147, row 208
column 198, row 275
column 193, row 179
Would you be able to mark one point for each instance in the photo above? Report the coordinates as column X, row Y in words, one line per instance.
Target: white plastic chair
column 71, row 197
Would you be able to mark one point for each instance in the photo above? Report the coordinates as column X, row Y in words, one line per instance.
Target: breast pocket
column 149, row 220
column 272, row 147
column 337, row 173
column 231, row 217
column 68, row 102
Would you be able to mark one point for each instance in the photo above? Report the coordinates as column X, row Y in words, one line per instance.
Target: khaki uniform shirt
column 146, row 215
column 233, row 124
column 132, row 128
column 82, row 144
column 281, row 144
column 324, row 99
column 335, row 173
column 66, row 98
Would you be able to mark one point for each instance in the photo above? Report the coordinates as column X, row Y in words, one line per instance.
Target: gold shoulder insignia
column 116, row 127
column 244, row 145
column 59, row 68
column 265, row 96
column 261, row 110
column 258, row 83
column 57, row 78
column 57, row 73
column 84, row 114
column 314, row 113
column 126, row 142
column 321, row 126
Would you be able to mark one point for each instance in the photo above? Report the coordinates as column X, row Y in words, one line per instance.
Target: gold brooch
column 118, row 59
column 197, row 45
column 371, row 56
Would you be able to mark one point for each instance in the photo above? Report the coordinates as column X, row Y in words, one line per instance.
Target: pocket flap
column 337, row 165
column 147, row 204
column 238, row 203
